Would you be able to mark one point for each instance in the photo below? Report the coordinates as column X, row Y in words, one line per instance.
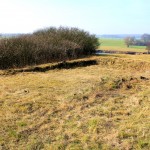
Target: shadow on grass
column 62, row 65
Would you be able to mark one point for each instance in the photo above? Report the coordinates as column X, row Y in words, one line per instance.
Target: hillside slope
column 101, row 106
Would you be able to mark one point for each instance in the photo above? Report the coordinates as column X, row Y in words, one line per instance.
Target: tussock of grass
column 81, row 108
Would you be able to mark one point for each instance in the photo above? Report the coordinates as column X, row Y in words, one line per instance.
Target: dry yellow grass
column 104, row 106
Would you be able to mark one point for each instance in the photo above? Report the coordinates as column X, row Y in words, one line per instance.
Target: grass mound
column 125, row 64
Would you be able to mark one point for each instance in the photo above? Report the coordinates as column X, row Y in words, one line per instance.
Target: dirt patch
column 126, row 83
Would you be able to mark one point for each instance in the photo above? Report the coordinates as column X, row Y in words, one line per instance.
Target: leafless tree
column 129, row 41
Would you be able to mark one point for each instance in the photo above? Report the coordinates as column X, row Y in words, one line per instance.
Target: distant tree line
column 47, row 45
column 144, row 41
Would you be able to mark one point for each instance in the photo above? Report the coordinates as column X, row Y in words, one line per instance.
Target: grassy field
column 103, row 106
column 119, row 45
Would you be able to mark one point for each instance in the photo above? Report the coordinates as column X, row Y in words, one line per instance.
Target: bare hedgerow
column 17, row 51
column 47, row 45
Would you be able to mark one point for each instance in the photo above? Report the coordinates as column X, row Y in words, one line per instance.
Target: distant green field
column 118, row 45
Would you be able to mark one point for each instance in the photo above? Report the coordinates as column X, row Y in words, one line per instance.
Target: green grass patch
column 118, row 45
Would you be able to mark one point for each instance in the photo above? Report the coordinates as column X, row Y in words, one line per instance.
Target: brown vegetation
column 45, row 46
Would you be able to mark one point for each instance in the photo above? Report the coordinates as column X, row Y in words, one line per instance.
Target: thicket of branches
column 48, row 45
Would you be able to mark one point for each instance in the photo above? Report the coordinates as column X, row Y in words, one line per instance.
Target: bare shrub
column 47, row 45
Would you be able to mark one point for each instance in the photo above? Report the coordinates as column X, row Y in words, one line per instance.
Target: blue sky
column 95, row 16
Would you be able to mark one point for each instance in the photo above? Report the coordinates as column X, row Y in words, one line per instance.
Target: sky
column 95, row 16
